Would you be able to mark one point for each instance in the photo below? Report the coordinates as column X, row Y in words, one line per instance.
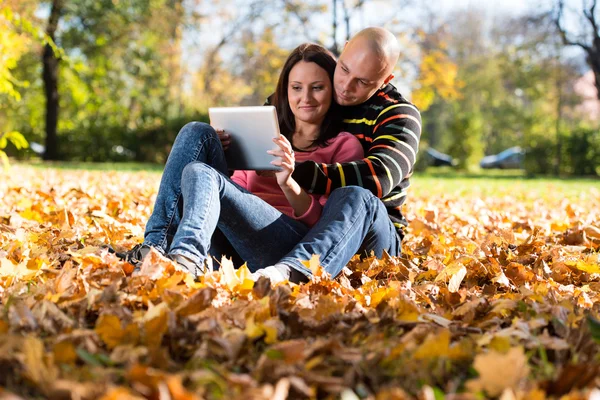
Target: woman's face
column 309, row 92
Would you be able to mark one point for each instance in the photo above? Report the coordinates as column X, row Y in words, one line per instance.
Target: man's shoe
column 136, row 255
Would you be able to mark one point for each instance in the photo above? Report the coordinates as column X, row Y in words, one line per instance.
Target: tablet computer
column 252, row 130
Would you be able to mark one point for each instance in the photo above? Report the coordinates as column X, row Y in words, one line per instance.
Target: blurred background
column 505, row 84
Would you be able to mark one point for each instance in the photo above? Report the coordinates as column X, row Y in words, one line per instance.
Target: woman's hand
column 286, row 162
column 224, row 137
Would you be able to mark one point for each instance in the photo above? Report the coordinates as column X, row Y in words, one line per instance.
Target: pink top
column 343, row 148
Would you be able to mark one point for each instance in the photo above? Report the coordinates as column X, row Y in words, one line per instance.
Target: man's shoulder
column 389, row 96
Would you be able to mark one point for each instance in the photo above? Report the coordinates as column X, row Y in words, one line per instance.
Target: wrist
column 290, row 185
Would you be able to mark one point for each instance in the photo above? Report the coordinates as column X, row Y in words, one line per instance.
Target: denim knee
column 196, row 132
column 198, row 172
column 354, row 195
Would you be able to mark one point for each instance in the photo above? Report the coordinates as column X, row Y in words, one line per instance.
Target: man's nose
column 347, row 85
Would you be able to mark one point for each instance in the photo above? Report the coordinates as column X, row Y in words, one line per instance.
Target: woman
column 259, row 217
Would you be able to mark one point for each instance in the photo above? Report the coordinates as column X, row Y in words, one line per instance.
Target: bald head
column 365, row 65
column 381, row 42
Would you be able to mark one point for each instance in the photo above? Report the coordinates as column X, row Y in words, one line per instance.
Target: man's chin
column 343, row 102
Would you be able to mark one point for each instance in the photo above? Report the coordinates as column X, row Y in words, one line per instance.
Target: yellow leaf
column 4, row 327
column 64, row 352
column 588, row 267
column 228, row 272
column 155, row 325
column 108, row 327
column 434, row 346
column 499, row 371
column 456, row 279
column 38, row 368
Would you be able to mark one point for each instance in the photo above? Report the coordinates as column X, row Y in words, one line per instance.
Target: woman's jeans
column 199, row 210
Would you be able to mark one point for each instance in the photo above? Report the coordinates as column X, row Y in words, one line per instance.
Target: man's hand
column 224, row 137
column 286, row 161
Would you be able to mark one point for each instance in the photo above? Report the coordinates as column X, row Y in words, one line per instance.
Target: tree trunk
column 50, row 76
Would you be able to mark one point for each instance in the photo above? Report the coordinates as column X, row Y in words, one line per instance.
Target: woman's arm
column 297, row 197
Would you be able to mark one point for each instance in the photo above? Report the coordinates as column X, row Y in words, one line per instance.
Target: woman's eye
column 317, row 87
column 296, row 88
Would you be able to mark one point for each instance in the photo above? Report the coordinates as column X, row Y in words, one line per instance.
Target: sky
column 380, row 13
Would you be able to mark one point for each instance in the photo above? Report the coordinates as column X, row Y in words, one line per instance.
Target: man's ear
column 386, row 81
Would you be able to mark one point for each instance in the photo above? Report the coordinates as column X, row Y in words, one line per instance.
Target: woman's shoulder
column 342, row 137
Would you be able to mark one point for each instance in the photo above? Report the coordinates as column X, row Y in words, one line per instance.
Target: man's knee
column 196, row 131
column 352, row 195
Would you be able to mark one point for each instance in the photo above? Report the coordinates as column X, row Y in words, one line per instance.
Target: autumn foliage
column 493, row 297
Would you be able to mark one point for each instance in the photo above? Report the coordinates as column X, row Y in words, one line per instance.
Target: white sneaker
column 273, row 273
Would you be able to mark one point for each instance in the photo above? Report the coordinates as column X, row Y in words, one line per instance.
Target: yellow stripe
column 396, row 106
column 394, row 197
column 342, row 176
column 389, row 174
column 360, row 121
column 390, row 137
column 373, row 121
column 399, row 226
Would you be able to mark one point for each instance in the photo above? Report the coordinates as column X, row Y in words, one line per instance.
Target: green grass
column 432, row 181
column 93, row 166
column 499, row 182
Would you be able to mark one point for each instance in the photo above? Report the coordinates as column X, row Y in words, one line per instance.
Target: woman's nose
column 307, row 95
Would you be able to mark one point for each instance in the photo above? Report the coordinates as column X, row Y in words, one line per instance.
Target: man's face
column 359, row 74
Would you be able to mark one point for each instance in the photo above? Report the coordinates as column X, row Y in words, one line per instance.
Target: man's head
column 365, row 65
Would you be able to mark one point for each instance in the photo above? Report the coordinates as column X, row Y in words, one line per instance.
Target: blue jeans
column 259, row 233
column 353, row 219
column 196, row 141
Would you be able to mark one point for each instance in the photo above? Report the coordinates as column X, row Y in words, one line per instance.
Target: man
column 363, row 212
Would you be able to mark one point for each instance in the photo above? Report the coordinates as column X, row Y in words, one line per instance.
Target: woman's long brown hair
column 319, row 55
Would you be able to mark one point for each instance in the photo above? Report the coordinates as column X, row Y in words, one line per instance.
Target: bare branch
column 294, row 9
column 589, row 14
column 563, row 33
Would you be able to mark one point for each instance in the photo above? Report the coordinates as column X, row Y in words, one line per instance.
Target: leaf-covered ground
column 496, row 295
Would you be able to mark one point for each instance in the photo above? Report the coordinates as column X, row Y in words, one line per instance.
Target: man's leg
column 259, row 233
column 353, row 220
column 196, row 141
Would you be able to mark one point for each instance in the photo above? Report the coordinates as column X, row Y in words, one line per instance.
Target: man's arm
column 389, row 159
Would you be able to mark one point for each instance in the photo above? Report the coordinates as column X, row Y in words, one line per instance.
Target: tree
column 588, row 40
column 50, row 76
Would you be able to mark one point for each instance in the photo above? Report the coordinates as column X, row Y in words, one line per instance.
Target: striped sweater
column 389, row 128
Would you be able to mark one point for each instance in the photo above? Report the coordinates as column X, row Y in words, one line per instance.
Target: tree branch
column 303, row 20
column 563, row 33
column 589, row 14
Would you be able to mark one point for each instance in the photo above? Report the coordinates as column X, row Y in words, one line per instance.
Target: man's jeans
column 353, row 219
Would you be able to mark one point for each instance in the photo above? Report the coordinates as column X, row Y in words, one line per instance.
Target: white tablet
column 252, row 130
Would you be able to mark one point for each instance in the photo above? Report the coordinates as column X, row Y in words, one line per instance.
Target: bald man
column 363, row 212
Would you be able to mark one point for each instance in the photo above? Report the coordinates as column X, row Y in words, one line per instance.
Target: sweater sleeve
column 312, row 215
column 390, row 157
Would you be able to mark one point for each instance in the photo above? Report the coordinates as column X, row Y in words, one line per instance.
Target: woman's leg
column 258, row 232
column 196, row 141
